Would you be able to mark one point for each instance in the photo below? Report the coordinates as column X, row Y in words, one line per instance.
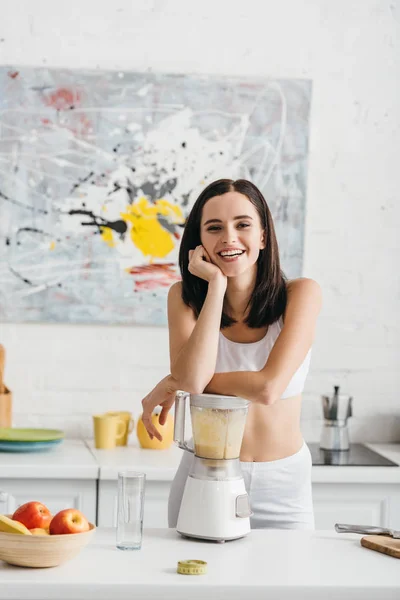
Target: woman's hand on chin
column 163, row 394
column 201, row 266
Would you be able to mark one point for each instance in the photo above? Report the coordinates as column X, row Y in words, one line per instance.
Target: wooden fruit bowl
column 42, row 550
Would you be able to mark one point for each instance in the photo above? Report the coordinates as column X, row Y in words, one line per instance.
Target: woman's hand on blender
column 201, row 266
column 163, row 394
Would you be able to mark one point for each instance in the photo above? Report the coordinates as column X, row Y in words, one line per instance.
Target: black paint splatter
column 118, row 226
column 80, row 181
column 26, row 206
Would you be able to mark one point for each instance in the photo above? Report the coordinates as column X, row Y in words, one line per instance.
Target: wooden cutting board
column 381, row 543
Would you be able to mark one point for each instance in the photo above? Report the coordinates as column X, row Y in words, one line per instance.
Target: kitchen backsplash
column 61, row 375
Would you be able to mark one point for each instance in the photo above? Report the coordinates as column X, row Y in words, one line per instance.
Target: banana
column 7, row 525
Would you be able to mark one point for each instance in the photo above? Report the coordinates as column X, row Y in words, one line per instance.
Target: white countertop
column 159, row 465
column 70, row 460
column 78, row 459
column 273, row 564
column 162, row 464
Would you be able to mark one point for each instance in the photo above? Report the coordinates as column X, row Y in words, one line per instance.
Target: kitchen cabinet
column 63, row 477
column 369, row 504
column 56, row 494
column 155, row 505
column 158, row 465
column 359, row 503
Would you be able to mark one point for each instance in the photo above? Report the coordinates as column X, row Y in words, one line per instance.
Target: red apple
column 33, row 515
column 69, row 520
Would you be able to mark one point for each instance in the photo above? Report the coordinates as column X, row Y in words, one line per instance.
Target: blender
column 215, row 505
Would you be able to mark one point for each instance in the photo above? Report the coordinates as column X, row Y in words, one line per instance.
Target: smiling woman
column 225, row 219
column 237, row 327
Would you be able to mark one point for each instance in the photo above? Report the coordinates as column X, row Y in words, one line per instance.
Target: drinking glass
column 131, row 489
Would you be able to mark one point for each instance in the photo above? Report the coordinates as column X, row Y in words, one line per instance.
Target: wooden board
column 381, row 543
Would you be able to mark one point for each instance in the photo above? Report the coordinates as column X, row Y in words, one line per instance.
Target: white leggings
column 280, row 491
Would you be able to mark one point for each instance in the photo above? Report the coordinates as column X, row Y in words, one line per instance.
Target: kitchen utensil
column 126, row 416
column 386, row 545
column 345, row 528
column 130, row 509
column 6, row 408
column 215, row 505
column 42, row 550
column 5, row 394
column 336, row 411
column 7, row 446
column 334, row 405
column 15, row 434
column 107, row 430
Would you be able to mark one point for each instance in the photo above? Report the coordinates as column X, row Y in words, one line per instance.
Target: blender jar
column 218, row 425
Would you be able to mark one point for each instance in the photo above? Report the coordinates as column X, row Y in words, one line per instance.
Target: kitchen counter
column 162, row 464
column 159, row 465
column 78, row 459
column 273, row 564
column 69, row 460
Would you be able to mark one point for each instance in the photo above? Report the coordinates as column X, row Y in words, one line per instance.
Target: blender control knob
column 243, row 509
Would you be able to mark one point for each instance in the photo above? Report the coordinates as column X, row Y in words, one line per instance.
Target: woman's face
column 231, row 233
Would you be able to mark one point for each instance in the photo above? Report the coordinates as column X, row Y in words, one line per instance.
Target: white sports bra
column 237, row 356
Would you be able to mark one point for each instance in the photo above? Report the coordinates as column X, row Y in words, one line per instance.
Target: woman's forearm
column 195, row 364
column 251, row 385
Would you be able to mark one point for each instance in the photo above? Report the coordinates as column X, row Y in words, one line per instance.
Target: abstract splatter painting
column 99, row 170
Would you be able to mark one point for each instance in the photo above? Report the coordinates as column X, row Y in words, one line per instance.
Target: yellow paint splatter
column 147, row 233
column 107, row 236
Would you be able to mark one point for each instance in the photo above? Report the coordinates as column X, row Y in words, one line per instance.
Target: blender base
column 209, row 510
column 209, row 539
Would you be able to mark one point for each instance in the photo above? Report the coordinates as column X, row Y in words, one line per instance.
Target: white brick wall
column 60, row 375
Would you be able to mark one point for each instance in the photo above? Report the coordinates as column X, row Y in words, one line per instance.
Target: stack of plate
column 13, row 439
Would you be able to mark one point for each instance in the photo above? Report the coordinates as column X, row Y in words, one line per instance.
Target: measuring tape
column 192, row 567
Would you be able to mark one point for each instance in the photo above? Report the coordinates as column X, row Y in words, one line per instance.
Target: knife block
column 6, row 408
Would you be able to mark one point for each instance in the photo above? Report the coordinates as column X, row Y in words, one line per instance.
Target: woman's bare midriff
column 272, row 432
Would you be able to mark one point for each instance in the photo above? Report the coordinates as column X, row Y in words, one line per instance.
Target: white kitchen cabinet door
column 56, row 494
column 155, row 504
column 357, row 504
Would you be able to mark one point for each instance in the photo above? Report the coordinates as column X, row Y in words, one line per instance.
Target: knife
column 368, row 529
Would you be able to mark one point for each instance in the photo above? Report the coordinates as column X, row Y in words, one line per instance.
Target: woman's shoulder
column 175, row 294
column 175, row 300
column 303, row 285
column 304, row 291
column 175, row 289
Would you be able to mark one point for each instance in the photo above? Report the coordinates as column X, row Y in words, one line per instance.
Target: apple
column 33, row 515
column 69, row 520
column 39, row 531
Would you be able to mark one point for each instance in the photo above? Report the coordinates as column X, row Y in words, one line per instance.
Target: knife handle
column 344, row 528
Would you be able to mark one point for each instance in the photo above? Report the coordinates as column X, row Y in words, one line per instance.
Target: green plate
column 13, row 434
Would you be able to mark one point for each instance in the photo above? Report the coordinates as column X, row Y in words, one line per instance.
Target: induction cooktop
column 357, row 456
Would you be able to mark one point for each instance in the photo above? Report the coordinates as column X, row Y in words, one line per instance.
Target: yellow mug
column 126, row 416
column 108, row 429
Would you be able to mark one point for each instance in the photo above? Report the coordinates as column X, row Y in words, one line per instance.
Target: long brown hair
column 268, row 299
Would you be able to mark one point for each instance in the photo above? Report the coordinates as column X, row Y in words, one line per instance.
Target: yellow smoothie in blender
column 217, row 433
